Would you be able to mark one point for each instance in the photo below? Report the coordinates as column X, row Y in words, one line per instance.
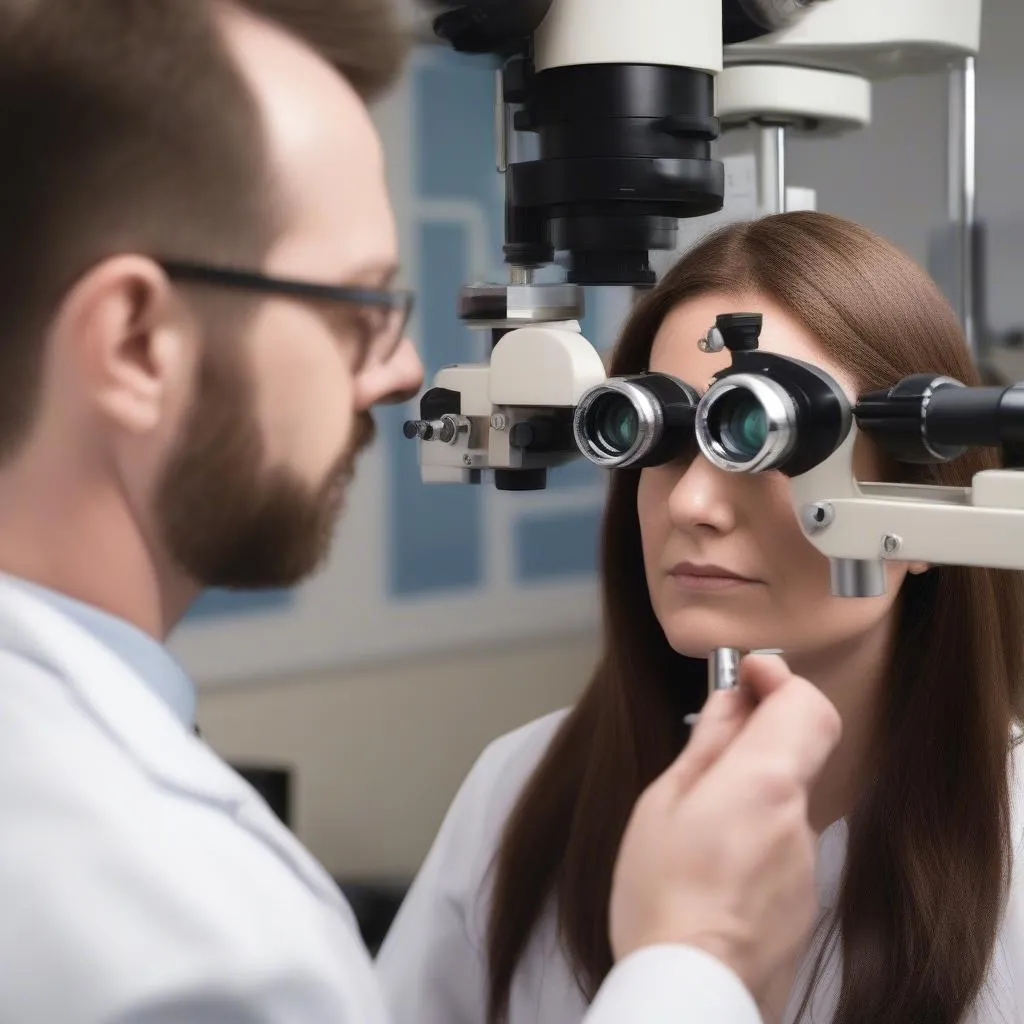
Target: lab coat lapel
column 141, row 724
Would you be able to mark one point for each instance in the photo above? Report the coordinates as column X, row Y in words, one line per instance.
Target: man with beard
column 197, row 316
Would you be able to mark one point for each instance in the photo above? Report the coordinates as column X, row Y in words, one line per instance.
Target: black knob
column 739, row 331
column 537, row 433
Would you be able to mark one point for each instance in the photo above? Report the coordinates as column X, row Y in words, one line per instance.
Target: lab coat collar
column 147, row 656
column 832, row 844
column 144, row 727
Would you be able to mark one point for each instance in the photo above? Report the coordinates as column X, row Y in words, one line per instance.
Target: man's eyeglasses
column 389, row 308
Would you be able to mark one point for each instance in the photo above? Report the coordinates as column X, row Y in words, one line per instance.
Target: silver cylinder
column 857, row 577
column 970, row 215
column 962, row 185
column 771, row 167
column 723, row 669
column 723, row 674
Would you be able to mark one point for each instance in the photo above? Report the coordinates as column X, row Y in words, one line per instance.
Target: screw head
column 499, row 421
column 467, row 459
column 817, row 515
column 891, row 543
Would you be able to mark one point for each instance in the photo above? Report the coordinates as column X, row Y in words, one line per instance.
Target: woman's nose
column 703, row 498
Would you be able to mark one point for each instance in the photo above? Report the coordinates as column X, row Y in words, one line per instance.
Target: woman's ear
column 917, row 568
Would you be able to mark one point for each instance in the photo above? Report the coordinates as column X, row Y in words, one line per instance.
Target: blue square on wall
column 226, row 603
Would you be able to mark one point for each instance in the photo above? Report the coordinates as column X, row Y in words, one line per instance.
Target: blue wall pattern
column 437, row 530
column 219, row 603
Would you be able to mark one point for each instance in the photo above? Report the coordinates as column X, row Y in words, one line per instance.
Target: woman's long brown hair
column 929, row 847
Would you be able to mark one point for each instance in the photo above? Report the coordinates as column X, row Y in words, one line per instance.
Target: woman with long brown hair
column 922, row 914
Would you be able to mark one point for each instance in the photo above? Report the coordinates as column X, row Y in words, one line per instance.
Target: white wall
column 379, row 751
column 1001, row 158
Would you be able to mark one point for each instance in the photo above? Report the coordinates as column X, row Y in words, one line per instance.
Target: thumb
column 795, row 729
column 761, row 675
column 721, row 719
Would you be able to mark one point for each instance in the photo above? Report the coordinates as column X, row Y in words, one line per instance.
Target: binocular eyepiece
column 772, row 412
column 765, row 412
column 636, row 421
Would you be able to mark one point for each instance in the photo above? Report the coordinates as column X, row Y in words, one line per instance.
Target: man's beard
column 226, row 520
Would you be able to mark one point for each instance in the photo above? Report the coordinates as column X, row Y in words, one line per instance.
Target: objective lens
column 740, row 425
column 614, row 423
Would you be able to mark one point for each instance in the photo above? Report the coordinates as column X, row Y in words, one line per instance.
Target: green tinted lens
column 742, row 425
column 616, row 424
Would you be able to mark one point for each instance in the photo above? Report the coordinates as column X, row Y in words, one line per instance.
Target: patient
column 922, row 918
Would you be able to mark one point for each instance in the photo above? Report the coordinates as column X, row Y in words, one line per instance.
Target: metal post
column 501, row 126
column 963, row 192
column 772, row 169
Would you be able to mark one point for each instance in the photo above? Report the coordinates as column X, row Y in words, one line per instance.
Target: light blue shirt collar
column 146, row 656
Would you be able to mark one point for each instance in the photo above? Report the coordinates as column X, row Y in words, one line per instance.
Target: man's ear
column 128, row 339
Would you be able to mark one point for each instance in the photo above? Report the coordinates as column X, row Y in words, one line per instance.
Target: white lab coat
column 143, row 882
column 433, row 963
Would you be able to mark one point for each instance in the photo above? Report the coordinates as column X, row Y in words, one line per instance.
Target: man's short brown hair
column 362, row 38
column 125, row 126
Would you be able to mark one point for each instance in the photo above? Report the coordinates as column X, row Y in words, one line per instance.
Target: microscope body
column 513, row 415
column 626, row 101
column 622, row 100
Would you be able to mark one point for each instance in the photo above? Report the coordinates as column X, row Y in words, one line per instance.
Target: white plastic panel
column 550, row 366
column 840, row 102
column 875, row 38
column 684, row 33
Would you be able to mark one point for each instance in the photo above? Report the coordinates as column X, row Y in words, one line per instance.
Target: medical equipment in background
column 621, row 100
column 622, row 107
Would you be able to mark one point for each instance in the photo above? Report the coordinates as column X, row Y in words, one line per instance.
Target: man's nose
column 399, row 380
column 703, row 498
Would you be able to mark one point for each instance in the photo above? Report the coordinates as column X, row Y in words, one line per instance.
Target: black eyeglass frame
column 394, row 299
